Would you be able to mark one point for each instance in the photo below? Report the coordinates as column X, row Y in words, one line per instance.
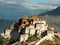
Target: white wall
column 38, row 26
column 32, row 31
column 44, row 27
column 44, row 21
column 7, row 33
column 34, row 22
column 27, row 30
column 32, row 26
column 24, row 37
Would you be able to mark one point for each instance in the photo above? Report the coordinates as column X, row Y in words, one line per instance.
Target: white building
column 38, row 25
column 44, row 22
column 27, row 29
column 32, row 26
column 34, row 22
column 23, row 37
column 32, row 31
column 8, row 33
column 43, row 28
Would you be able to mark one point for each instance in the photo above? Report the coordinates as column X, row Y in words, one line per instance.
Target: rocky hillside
column 56, row 41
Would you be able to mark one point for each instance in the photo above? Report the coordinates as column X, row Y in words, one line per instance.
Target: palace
column 28, row 26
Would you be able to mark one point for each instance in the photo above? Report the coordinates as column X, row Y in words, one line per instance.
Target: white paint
column 32, row 26
column 34, row 22
column 24, row 37
column 27, row 30
column 7, row 33
column 44, row 22
column 32, row 31
column 38, row 26
column 43, row 28
column 2, row 34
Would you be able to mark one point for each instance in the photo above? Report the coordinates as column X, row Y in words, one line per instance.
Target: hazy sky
column 16, row 8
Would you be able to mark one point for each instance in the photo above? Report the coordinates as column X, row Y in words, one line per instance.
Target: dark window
column 43, row 34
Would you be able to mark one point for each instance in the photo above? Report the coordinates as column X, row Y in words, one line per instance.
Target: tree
column 35, row 33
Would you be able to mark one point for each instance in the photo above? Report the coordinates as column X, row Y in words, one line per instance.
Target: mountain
column 53, row 12
column 4, row 24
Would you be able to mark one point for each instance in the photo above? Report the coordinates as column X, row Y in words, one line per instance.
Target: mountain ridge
column 54, row 12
